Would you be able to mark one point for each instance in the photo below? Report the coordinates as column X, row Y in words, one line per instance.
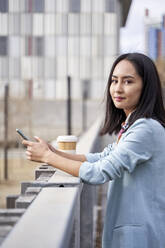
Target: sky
column 132, row 35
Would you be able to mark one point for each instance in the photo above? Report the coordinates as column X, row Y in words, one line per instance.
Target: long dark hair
column 151, row 101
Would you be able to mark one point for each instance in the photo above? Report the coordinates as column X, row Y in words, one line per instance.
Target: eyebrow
column 128, row 76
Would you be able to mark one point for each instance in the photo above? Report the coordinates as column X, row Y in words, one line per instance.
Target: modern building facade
column 44, row 41
column 155, row 37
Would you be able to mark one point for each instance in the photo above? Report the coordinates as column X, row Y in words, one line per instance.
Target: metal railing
column 61, row 211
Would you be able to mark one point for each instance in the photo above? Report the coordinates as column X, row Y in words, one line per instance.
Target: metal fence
column 56, row 210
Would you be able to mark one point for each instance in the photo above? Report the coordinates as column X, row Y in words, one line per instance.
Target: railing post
column 86, row 216
column 6, row 131
column 69, row 109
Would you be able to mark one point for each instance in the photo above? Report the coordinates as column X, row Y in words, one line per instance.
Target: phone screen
column 21, row 134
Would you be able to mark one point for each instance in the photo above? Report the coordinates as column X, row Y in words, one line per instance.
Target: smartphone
column 21, row 134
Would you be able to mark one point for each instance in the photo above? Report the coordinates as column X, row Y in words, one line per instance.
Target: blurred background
column 55, row 59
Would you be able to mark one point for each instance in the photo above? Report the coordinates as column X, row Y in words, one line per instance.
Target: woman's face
column 126, row 86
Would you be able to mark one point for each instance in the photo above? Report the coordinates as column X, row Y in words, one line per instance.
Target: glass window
column 3, row 24
column 62, row 6
column 110, row 23
column 14, row 24
column 26, row 67
column 61, row 45
column 15, row 86
column 74, row 5
column 38, row 67
column 110, row 45
column 73, row 66
column 97, row 67
column 85, row 23
column 98, row 6
column 85, row 46
column 14, row 5
column 97, row 23
column 14, row 46
column 26, row 24
column 73, row 24
column 61, row 89
column 14, row 66
column 97, row 46
column 49, row 24
column 108, row 61
column 61, row 67
column 49, row 90
column 86, row 6
column 61, row 22
column 50, row 46
column 85, row 65
column 97, row 92
column 73, row 46
column 50, row 68
column 4, row 68
column 37, row 89
column 28, row 46
column 110, row 5
column 38, row 46
column 76, row 88
column 50, row 6
column 4, row 5
column 38, row 24
column 38, row 6
column 26, row 5
column 3, row 45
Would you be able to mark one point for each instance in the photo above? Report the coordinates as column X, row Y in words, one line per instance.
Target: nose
column 118, row 87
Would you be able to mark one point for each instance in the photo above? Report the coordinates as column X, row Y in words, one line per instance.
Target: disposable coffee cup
column 67, row 143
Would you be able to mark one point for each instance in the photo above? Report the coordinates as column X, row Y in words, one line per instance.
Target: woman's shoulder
column 149, row 124
column 146, row 130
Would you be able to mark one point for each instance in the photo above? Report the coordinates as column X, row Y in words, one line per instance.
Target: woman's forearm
column 63, row 163
column 76, row 157
column 40, row 151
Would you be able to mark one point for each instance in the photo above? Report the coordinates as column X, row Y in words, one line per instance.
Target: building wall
column 153, row 43
column 44, row 41
column 155, row 39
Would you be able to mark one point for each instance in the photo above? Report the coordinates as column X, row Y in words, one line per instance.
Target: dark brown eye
column 128, row 82
column 113, row 81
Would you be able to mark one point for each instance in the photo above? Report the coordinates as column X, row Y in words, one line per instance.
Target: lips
column 119, row 98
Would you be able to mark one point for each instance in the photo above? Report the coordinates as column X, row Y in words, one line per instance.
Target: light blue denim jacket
column 135, row 167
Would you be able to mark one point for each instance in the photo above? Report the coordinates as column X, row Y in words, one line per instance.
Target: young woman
column 135, row 163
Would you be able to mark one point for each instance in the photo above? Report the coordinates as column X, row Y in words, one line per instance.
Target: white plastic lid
column 67, row 138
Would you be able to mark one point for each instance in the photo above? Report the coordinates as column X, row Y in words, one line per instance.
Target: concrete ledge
column 4, row 231
column 24, row 201
column 53, row 209
column 11, row 212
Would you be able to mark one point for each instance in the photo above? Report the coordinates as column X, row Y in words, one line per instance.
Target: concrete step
column 11, row 212
column 8, row 220
column 24, row 201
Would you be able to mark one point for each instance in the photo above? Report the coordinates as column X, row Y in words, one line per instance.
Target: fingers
column 30, row 143
column 29, row 148
column 28, row 155
column 35, row 150
column 37, row 139
column 27, row 142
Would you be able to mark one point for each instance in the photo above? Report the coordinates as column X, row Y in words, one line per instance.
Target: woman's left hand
column 36, row 151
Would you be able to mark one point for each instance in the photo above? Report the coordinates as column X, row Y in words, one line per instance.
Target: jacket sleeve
column 134, row 148
column 93, row 157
